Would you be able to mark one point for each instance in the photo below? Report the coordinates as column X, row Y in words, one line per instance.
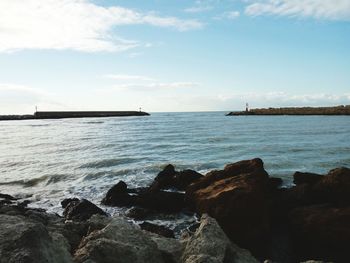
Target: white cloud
column 21, row 99
column 159, row 86
column 128, row 77
column 320, row 9
column 73, row 24
column 231, row 15
column 198, row 9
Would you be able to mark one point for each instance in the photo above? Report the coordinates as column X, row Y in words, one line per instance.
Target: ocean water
column 49, row 160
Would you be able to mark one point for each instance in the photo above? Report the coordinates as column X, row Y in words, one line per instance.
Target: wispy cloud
column 198, row 9
column 320, row 9
column 230, row 15
column 159, row 86
column 128, row 77
column 75, row 24
column 16, row 98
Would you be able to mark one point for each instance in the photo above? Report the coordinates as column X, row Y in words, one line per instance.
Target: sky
column 167, row 55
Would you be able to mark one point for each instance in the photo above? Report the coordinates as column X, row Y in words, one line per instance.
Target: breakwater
column 72, row 114
column 337, row 110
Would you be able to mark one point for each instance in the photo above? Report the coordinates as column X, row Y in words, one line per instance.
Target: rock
column 157, row 229
column 139, row 213
column 185, row 178
column 169, row 178
column 306, row 178
column 235, row 197
column 162, row 201
column 66, row 201
column 120, row 241
column 321, row 232
column 210, row 244
column 151, row 199
column 274, row 183
column 81, row 210
column 170, row 248
column 118, row 196
column 334, row 187
column 7, row 197
column 25, row 240
column 164, row 179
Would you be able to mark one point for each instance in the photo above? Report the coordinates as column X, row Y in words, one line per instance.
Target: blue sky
column 173, row 55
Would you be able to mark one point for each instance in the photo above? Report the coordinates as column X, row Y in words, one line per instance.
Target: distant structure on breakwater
column 72, row 114
column 336, row 110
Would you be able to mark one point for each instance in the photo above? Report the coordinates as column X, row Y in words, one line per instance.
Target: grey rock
column 118, row 240
column 209, row 244
column 24, row 240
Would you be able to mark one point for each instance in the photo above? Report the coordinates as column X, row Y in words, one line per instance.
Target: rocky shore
column 244, row 216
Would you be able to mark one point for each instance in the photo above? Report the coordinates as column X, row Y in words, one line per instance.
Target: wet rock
column 81, row 210
column 66, row 201
column 306, row 178
column 25, row 240
column 162, row 201
column 7, row 197
column 169, row 178
column 235, row 197
column 118, row 196
column 321, row 232
column 118, row 240
column 210, row 244
column 185, row 178
column 139, row 213
column 157, row 229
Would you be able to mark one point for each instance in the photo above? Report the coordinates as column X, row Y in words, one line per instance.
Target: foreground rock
column 210, row 244
column 235, row 197
column 321, row 232
column 118, row 240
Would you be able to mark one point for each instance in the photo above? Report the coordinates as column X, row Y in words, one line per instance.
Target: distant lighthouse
column 246, row 107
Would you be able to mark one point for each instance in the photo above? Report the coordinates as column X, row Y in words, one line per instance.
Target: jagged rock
column 120, row 241
column 156, row 200
column 169, row 178
column 334, row 187
column 81, row 210
column 235, row 197
column 209, row 244
column 118, row 196
column 139, row 213
column 157, row 229
column 321, row 232
column 25, row 240
column 306, row 178
column 66, row 201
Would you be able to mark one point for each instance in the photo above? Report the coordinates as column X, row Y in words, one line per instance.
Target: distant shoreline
column 72, row 114
column 307, row 111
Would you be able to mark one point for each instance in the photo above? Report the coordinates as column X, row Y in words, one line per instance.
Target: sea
column 45, row 161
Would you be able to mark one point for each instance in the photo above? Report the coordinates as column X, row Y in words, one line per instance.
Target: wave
column 108, row 163
column 51, row 179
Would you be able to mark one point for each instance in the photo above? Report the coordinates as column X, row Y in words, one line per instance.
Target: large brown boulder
column 306, row 178
column 235, row 197
column 334, row 187
column 321, row 232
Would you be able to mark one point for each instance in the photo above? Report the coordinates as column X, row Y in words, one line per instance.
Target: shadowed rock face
column 81, row 210
column 235, row 197
column 210, row 244
column 321, row 232
column 169, row 178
